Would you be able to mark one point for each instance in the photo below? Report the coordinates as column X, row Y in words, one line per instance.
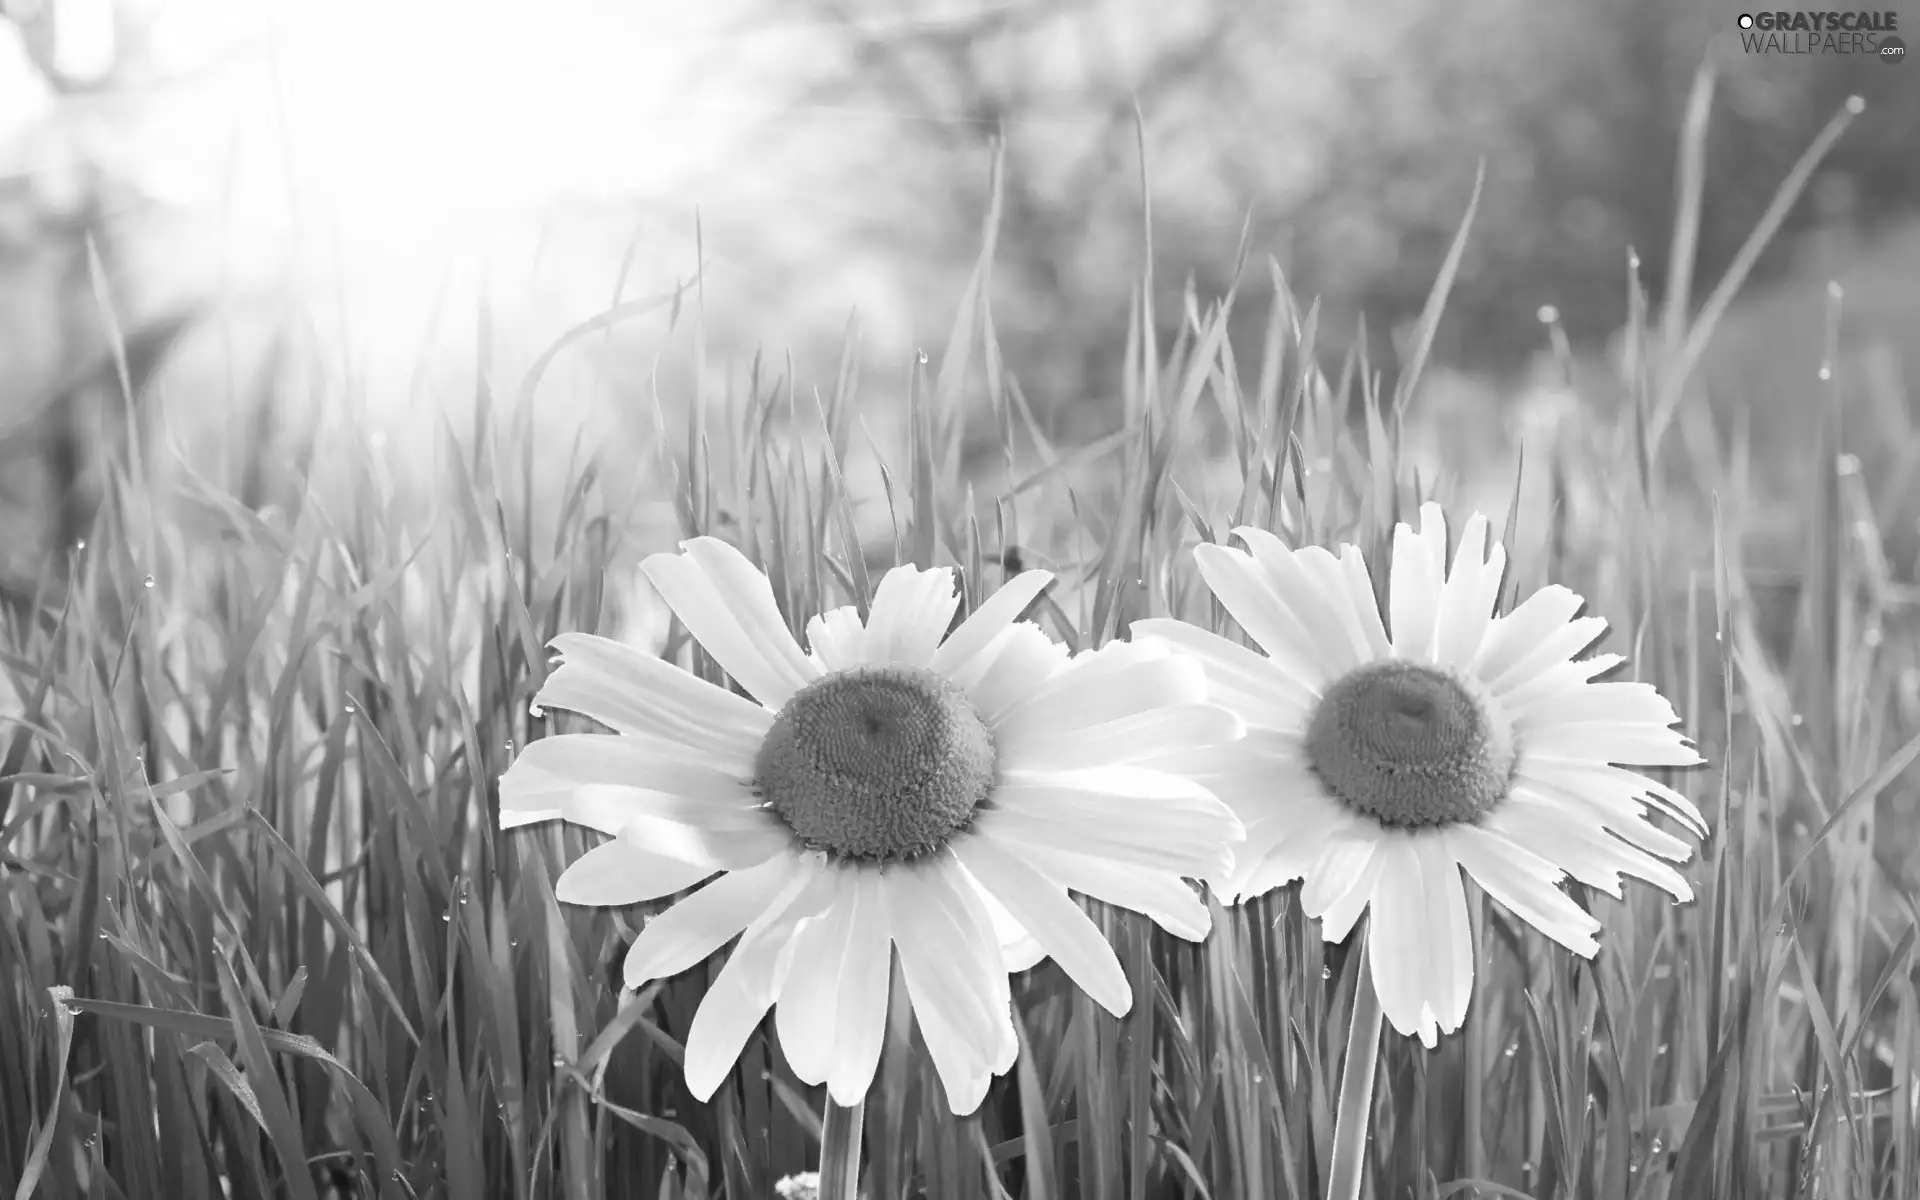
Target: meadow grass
column 263, row 938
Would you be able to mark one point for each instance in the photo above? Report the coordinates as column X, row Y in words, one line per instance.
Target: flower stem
column 840, row 1151
column 1356, row 1083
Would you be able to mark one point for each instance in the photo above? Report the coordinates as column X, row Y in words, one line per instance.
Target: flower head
column 892, row 788
column 1462, row 740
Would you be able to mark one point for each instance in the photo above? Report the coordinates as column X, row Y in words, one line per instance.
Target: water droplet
column 1660, row 1049
column 1834, row 289
column 445, row 917
column 1826, row 372
column 1856, row 104
column 1656, row 1146
column 1326, row 973
column 559, row 1062
column 1512, row 1049
column 922, row 356
column 350, row 707
column 536, row 712
column 1549, row 315
column 147, row 582
column 1847, row 464
column 81, row 544
column 1633, row 260
column 1528, row 1168
column 509, row 745
column 1796, row 720
column 1873, row 637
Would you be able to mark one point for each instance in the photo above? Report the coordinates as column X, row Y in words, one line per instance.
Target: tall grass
column 262, row 937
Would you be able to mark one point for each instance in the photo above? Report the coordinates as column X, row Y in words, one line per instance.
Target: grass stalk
column 840, row 1151
column 1353, row 1117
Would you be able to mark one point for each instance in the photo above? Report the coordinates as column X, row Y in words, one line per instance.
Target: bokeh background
column 263, row 220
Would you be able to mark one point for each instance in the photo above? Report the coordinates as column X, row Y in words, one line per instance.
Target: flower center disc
column 879, row 764
column 1411, row 745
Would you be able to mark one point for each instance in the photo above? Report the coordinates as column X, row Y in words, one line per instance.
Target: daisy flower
column 893, row 787
column 1460, row 740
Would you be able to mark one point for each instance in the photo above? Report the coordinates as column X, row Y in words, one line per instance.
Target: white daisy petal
column 1167, row 901
column 1244, row 590
column 1286, row 847
column 1340, row 885
column 1616, row 797
column 1398, row 950
column 1359, row 622
column 1611, row 742
column 1601, row 702
column 985, row 624
column 807, row 1016
column 1582, row 847
column 1523, row 883
column 1449, row 934
column 1511, row 637
column 1129, row 814
column 1361, row 598
column 836, row 640
column 1555, row 648
column 1013, row 667
column 729, row 608
column 690, row 931
column 1150, row 732
column 632, row 691
column 910, row 614
column 1113, row 682
column 729, row 1013
column 1336, row 640
column 1414, row 587
column 626, row 761
column 1556, row 680
column 1243, row 680
column 1055, row 921
column 1468, row 596
column 750, row 982
column 1017, row 946
column 860, row 1025
column 945, row 958
column 618, row 873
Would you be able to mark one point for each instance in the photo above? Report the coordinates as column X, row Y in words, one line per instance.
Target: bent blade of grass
column 1674, row 378
column 1437, row 298
column 37, row 1157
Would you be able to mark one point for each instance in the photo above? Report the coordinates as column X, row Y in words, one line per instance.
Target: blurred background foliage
column 246, row 215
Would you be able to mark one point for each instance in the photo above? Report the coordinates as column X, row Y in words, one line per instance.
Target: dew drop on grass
column 81, row 544
column 1660, row 1049
column 147, row 582
column 1326, row 973
column 536, row 712
column 922, row 356
column 1847, row 464
column 509, row 745
column 1797, row 720
column 350, row 707
column 1512, row 1049
column 1826, row 372
column 1549, row 315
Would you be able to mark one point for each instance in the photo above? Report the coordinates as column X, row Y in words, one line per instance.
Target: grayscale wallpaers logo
column 1868, row 34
